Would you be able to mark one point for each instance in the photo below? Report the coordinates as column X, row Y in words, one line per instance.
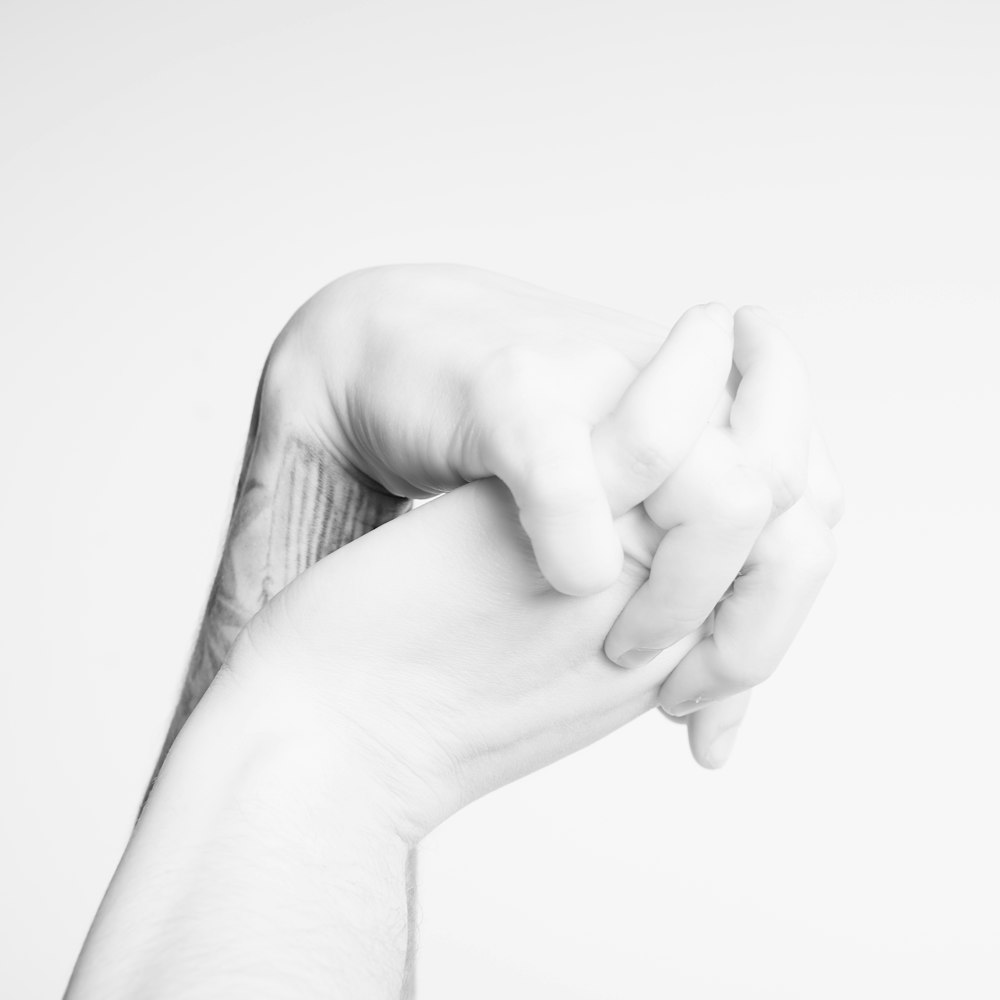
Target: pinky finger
column 712, row 731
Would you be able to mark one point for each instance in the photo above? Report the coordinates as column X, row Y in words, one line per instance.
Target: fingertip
column 716, row 753
column 705, row 318
column 632, row 659
column 671, row 718
column 712, row 732
column 752, row 311
column 719, row 314
column 577, row 572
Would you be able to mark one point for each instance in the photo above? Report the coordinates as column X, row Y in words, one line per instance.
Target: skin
column 295, row 503
column 335, row 446
column 417, row 378
column 386, row 687
column 334, row 441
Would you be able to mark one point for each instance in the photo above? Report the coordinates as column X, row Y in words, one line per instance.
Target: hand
column 423, row 377
column 438, row 645
column 433, row 651
column 435, row 374
column 767, row 468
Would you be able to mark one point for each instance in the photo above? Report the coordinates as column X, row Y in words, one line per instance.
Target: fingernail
column 686, row 707
column 637, row 657
column 663, row 712
column 721, row 747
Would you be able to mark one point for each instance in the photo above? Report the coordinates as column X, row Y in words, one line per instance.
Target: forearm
column 263, row 865
column 295, row 503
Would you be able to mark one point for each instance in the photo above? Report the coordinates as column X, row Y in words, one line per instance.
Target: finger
column 548, row 465
column 823, row 487
column 724, row 404
column 712, row 732
column 771, row 414
column 663, row 412
column 713, row 509
column 756, row 624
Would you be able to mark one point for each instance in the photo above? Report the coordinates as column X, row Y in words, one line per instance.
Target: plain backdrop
column 176, row 178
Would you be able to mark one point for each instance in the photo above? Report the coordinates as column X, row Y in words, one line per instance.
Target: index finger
column 666, row 408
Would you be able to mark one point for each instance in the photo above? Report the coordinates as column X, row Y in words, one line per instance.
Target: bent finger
column 756, row 624
column 712, row 732
column 772, row 412
column 823, row 487
column 713, row 510
column 548, row 465
column 664, row 411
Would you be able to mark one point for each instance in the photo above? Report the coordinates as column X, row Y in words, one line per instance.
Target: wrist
column 301, row 463
column 331, row 737
column 250, row 837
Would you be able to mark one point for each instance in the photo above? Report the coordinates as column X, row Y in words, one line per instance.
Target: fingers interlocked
column 712, row 509
column 715, row 438
column 570, row 482
column 747, row 517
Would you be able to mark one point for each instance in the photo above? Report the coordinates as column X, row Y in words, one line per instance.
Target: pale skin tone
column 431, row 661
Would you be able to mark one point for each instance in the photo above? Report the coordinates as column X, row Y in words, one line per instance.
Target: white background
column 175, row 179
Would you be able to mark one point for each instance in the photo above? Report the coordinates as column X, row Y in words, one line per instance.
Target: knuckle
column 514, row 437
column 821, row 552
column 510, row 379
column 740, row 667
column 714, row 317
column 677, row 622
column 743, row 669
column 715, row 330
column 648, row 460
column 744, row 504
column 835, row 505
column 811, row 550
column 788, row 483
column 644, row 457
column 503, row 444
column 555, row 485
column 753, row 672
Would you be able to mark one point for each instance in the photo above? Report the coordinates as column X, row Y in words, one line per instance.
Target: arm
column 271, row 857
column 260, row 867
column 296, row 500
column 267, row 845
column 448, row 668
column 380, row 691
column 414, row 379
column 428, row 376
column 295, row 503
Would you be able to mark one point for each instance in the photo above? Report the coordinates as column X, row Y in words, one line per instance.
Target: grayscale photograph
column 499, row 500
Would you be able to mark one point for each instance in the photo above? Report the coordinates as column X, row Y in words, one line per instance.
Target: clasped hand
column 666, row 499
